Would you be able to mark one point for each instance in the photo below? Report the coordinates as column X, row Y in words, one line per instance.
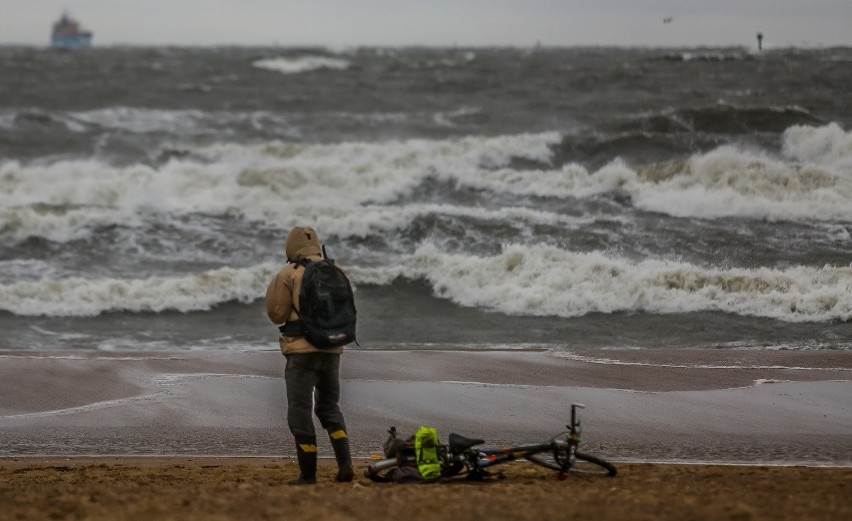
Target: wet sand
column 728, row 406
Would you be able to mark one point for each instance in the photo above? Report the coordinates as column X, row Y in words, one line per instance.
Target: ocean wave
column 707, row 56
column 812, row 182
column 334, row 183
column 296, row 65
column 723, row 119
column 828, row 145
column 380, row 220
column 459, row 59
column 180, row 123
column 59, row 223
column 145, row 120
column 271, row 182
column 90, row 297
column 548, row 281
column 40, row 119
column 521, row 280
column 25, row 269
column 173, row 128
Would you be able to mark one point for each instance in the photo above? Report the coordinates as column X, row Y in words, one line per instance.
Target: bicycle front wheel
column 555, row 460
column 588, row 464
column 583, row 463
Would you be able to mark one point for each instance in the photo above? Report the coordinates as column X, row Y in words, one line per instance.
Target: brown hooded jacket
column 282, row 295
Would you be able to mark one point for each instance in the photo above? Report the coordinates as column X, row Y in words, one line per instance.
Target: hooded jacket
column 282, row 294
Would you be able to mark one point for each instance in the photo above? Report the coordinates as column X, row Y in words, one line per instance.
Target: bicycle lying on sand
column 460, row 457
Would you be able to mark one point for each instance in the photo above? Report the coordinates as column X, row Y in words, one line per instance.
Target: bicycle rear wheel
column 374, row 471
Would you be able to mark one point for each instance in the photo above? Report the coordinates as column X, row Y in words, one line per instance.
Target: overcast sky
column 338, row 23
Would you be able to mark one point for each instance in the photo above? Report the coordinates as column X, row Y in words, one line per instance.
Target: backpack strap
column 294, row 328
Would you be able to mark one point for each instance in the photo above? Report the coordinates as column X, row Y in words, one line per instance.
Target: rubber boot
column 340, row 444
column 306, row 453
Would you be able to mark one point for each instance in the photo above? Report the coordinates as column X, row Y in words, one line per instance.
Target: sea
column 479, row 198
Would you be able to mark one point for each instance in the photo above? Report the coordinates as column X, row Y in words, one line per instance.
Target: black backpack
column 326, row 304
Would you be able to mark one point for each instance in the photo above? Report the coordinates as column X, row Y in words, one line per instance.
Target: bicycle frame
column 563, row 449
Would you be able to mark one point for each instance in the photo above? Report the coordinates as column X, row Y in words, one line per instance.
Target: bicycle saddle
column 459, row 442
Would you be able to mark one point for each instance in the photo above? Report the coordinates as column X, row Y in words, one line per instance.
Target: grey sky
column 437, row 22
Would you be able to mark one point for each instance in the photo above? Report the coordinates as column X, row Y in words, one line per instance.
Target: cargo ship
column 67, row 33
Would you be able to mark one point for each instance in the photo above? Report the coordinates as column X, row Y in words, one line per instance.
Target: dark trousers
column 309, row 376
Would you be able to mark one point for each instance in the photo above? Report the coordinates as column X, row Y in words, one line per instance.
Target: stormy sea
column 480, row 198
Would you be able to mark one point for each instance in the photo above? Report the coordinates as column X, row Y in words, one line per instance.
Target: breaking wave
column 89, row 297
column 544, row 280
column 811, row 180
column 270, row 182
column 301, row 64
column 521, row 280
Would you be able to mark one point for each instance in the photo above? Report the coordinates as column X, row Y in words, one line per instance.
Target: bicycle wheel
column 588, row 464
column 374, row 470
column 549, row 459
column 583, row 463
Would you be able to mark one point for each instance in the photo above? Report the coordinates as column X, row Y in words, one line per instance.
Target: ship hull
column 71, row 42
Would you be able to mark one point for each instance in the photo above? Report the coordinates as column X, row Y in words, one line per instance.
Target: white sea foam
column 613, row 361
column 89, row 407
column 58, row 223
column 89, row 297
column 813, row 181
column 522, row 280
column 270, row 182
column 301, row 64
column 828, row 145
column 145, row 120
column 181, row 123
column 446, row 119
column 334, row 182
column 728, row 182
column 544, row 280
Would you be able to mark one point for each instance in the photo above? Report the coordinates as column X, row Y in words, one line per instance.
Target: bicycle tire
column 583, row 464
column 588, row 464
column 545, row 459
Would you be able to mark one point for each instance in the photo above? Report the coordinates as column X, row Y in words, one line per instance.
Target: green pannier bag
column 426, row 451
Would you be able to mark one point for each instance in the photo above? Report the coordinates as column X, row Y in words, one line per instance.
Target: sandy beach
column 190, row 435
column 251, row 488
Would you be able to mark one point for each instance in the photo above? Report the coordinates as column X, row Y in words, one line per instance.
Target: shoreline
column 156, row 460
column 671, row 405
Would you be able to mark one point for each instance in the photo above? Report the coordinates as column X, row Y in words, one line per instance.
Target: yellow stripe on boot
column 337, row 435
column 308, row 447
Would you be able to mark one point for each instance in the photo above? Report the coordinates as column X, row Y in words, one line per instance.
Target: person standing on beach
column 310, row 371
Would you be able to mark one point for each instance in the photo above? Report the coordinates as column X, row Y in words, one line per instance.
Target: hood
column 302, row 241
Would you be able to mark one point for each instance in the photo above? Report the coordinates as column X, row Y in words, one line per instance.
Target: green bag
column 426, row 451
